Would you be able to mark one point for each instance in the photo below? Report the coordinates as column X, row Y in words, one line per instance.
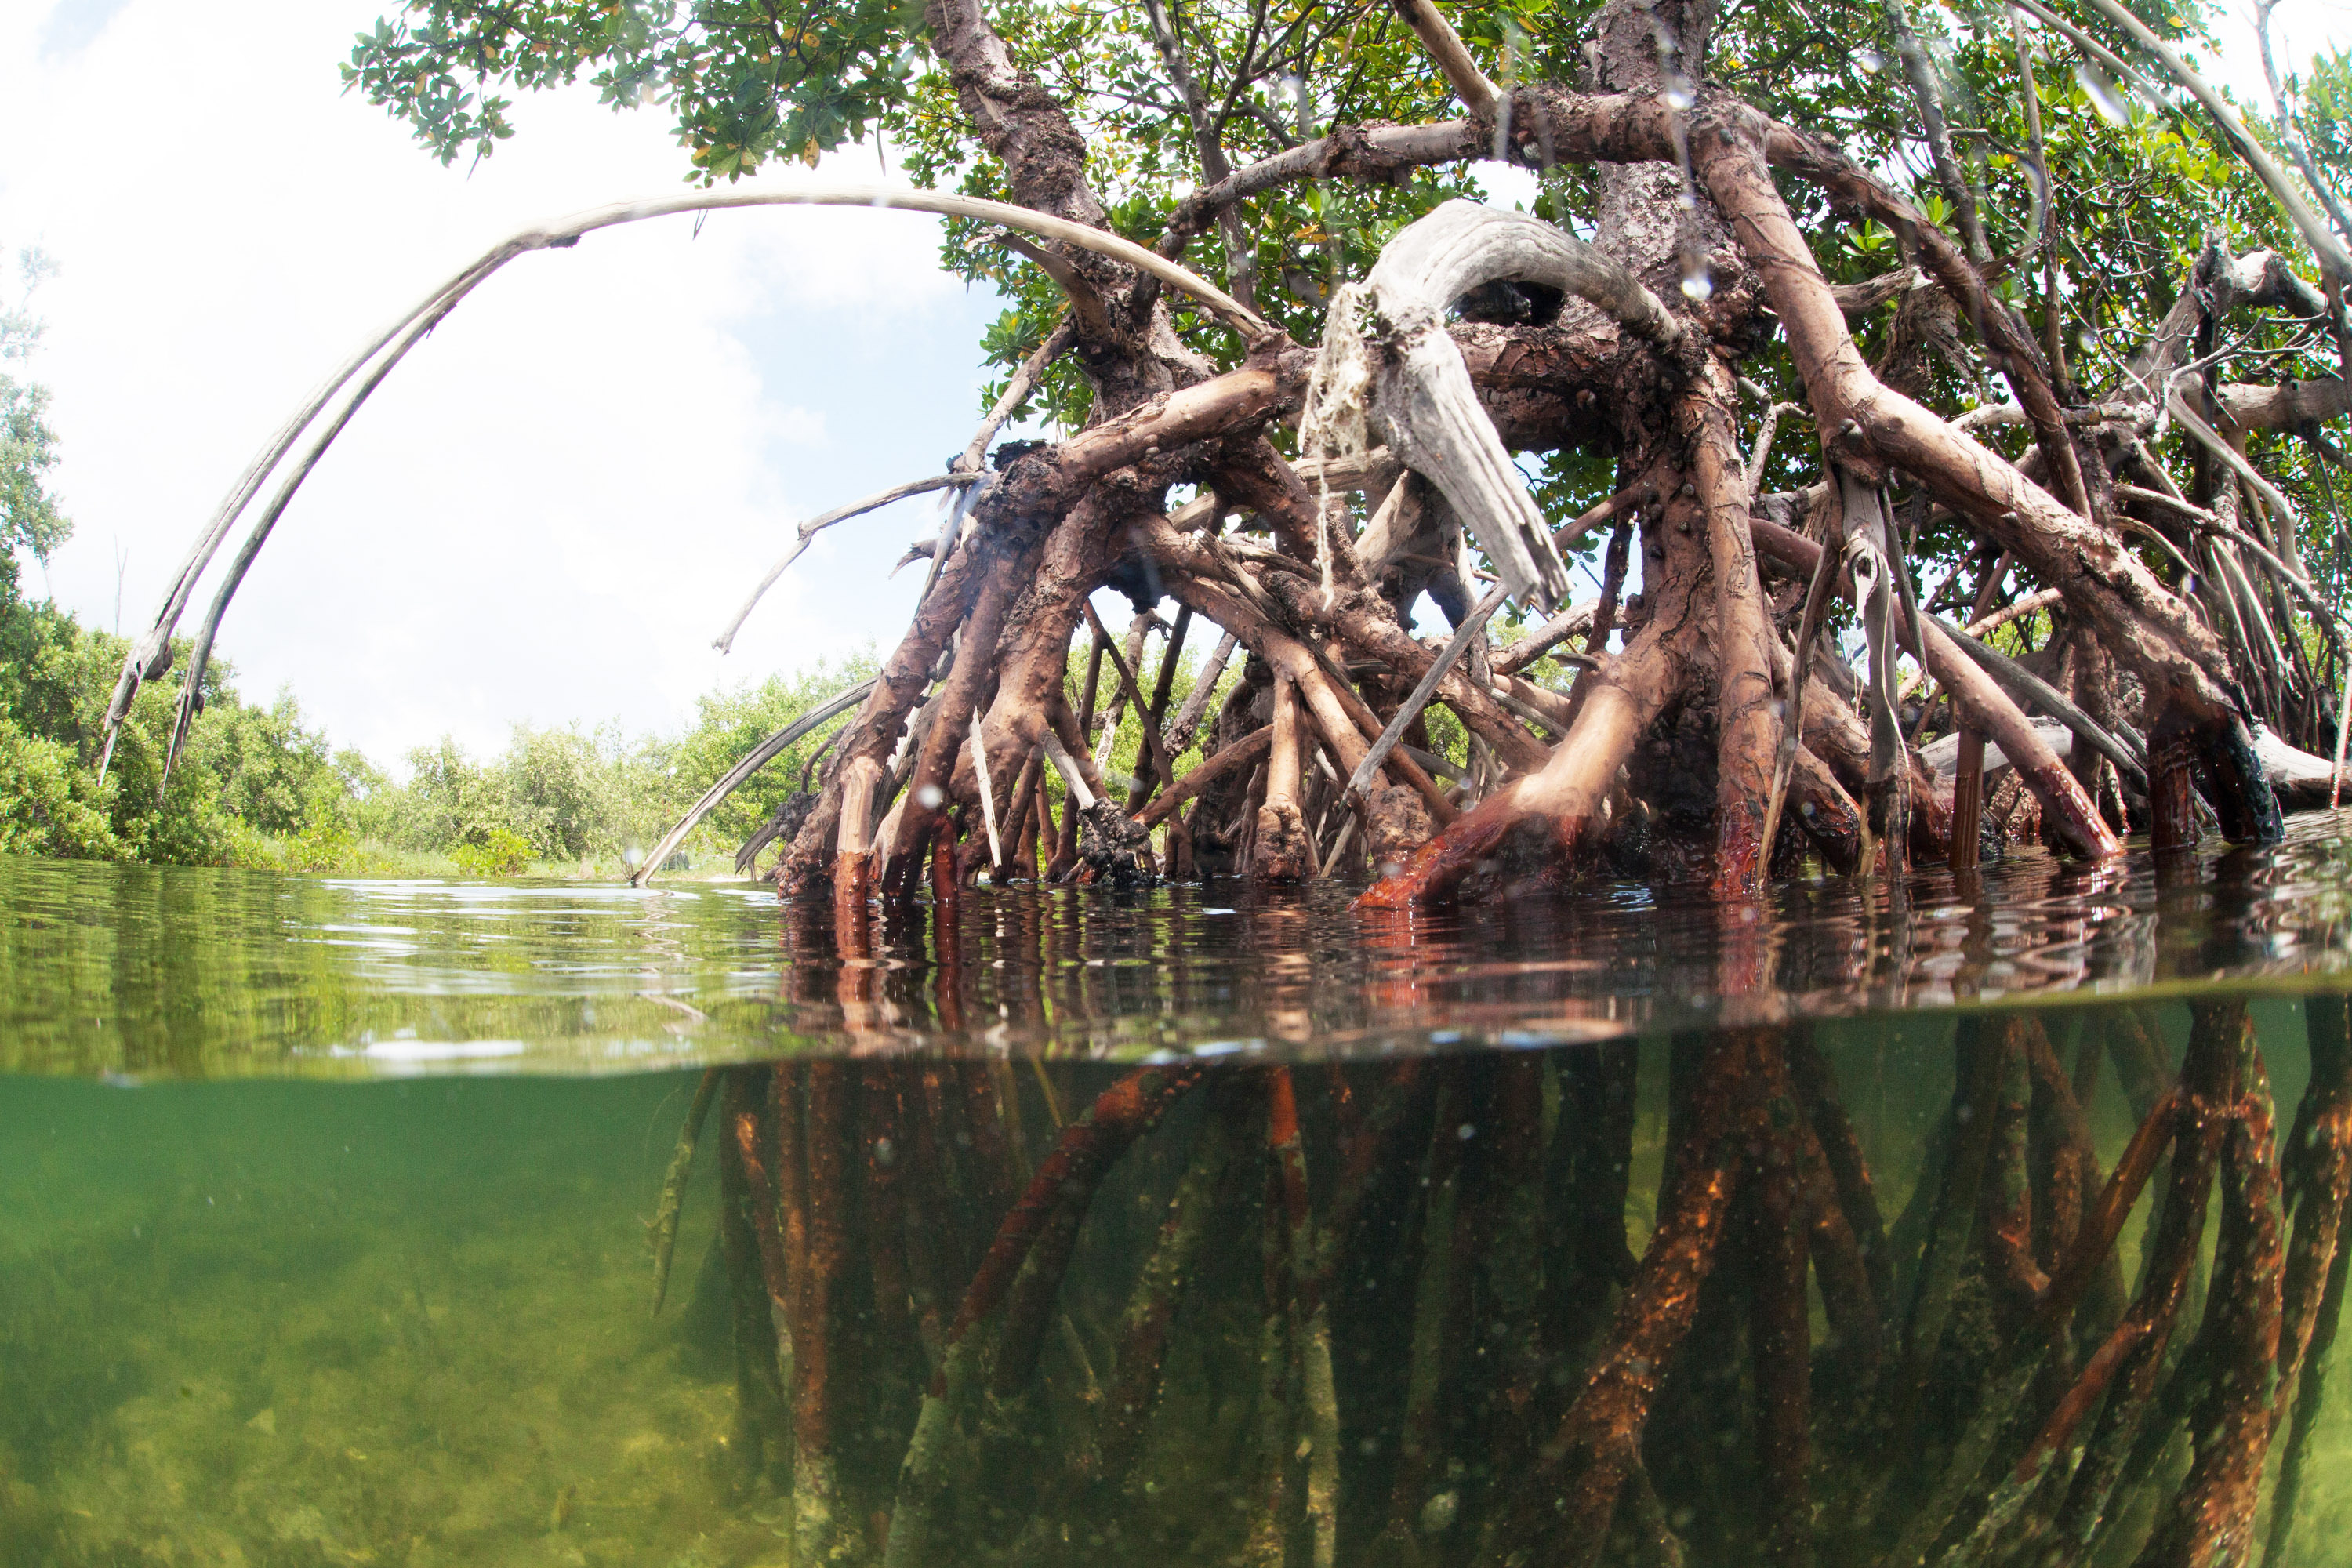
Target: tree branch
column 1454, row 62
column 1928, row 94
column 2324, row 243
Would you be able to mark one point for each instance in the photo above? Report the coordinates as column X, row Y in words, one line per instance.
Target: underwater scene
column 1992, row 1219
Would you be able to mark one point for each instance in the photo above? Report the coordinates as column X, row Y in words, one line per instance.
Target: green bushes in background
column 259, row 786
column 599, row 797
column 500, row 853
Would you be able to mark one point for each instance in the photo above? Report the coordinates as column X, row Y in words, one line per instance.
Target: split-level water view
column 423, row 1223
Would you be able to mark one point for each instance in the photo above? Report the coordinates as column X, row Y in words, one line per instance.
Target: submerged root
column 662, row 1234
column 1388, row 1313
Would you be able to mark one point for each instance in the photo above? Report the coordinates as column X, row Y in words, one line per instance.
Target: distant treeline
column 259, row 786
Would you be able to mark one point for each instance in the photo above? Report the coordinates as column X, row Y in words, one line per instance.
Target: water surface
column 180, row 972
column 324, row 1213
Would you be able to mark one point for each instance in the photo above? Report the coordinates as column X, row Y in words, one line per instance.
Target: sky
column 549, row 510
column 554, row 504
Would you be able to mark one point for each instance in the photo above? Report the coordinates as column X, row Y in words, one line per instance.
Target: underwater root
column 1387, row 1313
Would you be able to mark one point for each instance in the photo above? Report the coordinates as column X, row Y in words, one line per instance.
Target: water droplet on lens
column 2105, row 95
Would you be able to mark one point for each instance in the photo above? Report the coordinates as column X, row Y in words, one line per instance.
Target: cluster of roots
column 1689, row 723
column 1707, row 732
column 1438, row 1311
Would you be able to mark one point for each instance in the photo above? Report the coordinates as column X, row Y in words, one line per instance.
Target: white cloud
column 550, row 508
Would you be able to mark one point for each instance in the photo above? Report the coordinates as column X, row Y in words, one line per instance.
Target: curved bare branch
column 751, row 762
column 150, row 657
column 725, row 641
column 1424, row 400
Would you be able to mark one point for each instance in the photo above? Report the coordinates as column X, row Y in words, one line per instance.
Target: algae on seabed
column 264, row 1323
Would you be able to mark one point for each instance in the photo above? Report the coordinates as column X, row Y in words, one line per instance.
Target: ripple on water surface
column 156, row 970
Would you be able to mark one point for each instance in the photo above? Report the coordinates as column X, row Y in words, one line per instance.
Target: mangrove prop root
column 984, row 1128
column 1150, row 1313
column 1840, row 1149
column 1043, row 1225
column 1469, row 1316
column 2319, row 1186
column 2010, row 1200
column 754, row 1135
column 2066, row 1169
column 1048, row 1213
column 1650, row 382
column 1310, row 1321
column 753, row 1316
column 1780, row 1336
column 931, row 1262
column 2092, row 1249
column 2210, row 1518
column 1984, row 1049
column 825, row 1384
column 1514, row 1263
column 1275, row 1513
column 1571, row 1490
column 1433, row 1294
column 663, row 1232
column 883, row 1146
column 2318, row 1182
column 2207, row 1081
column 1851, row 1299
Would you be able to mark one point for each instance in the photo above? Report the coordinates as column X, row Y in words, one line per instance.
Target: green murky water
column 324, row 1219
